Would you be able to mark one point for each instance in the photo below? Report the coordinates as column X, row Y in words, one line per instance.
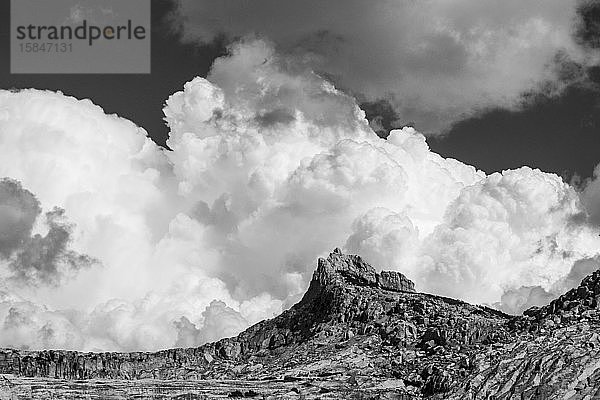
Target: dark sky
column 558, row 134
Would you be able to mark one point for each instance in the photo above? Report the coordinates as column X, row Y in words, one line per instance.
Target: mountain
column 355, row 333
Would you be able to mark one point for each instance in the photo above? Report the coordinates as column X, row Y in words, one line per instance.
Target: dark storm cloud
column 37, row 259
column 588, row 28
column 555, row 128
column 18, row 211
column 433, row 61
column 47, row 259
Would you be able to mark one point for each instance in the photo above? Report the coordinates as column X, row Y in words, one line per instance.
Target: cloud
column 435, row 61
column 515, row 301
column 521, row 227
column 110, row 179
column 394, row 201
column 35, row 259
column 31, row 326
column 47, row 259
column 219, row 321
column 271, row 167
column 18, row 211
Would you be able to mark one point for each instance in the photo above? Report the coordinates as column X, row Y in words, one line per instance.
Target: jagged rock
column 391, row 280
column 340, row 269
column 354, row 331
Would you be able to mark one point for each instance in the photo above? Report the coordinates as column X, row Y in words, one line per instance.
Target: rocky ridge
column 555, row 352
column 361, row 333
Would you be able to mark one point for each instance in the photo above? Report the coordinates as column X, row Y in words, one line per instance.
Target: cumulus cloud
column 515, row 301
column 519, row 227
column 271, row 167
column 219, row 321
column 32, row 326
column 434, row 60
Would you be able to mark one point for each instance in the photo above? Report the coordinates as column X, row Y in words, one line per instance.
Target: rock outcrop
column 343, row 270
column 355, row 332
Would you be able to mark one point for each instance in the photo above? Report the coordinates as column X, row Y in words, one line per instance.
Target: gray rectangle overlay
column 80, row 37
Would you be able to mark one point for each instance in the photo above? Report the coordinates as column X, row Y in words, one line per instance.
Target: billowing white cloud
column 435, row 60
column 271, row 167
column 521, row 227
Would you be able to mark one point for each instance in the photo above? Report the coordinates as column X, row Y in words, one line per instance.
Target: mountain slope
column 363, row 333
column 555, row 355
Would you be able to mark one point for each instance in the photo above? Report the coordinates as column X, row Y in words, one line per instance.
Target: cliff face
column 358, row 331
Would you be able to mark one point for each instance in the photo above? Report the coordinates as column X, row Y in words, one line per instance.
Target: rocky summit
column 357, row 334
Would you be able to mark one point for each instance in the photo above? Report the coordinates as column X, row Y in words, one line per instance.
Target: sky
column 555, row 132
column 453, row 143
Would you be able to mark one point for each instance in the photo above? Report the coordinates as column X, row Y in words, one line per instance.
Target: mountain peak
column 341, row 269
